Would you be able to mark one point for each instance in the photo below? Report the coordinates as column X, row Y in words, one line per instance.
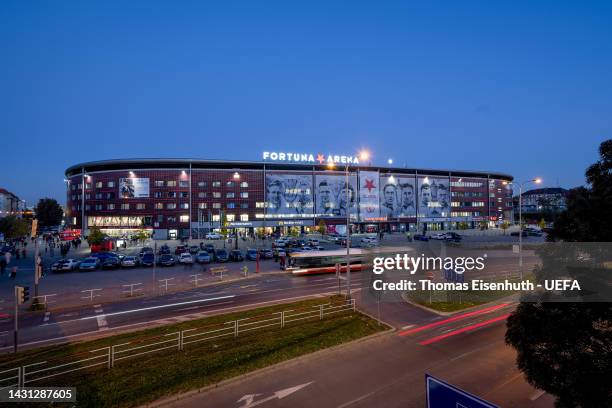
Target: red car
column 180, row 249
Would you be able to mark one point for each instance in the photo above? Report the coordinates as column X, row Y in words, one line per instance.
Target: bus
column 318, row 262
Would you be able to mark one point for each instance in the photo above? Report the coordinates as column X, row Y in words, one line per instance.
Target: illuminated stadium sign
column 310, row 158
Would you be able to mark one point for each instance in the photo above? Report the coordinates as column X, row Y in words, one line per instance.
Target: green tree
column 322, row 228
column 13, row 227
column 504, row 226
column 95, row 236
column 294, row 231
column 142, row 235
column 565, row 349
column 48, row 212
column 224, row 224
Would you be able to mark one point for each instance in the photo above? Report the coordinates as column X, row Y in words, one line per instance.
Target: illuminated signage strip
column 309, row 158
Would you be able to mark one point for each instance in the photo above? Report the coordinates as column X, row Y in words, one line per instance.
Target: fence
column 31, row 374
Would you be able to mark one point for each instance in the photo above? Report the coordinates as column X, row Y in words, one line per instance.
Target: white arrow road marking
column 248, row 398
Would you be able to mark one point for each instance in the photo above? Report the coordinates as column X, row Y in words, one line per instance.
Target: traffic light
column 23, row 294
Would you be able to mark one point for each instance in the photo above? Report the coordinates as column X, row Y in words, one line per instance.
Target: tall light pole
column 520, row 186
column 363, row 157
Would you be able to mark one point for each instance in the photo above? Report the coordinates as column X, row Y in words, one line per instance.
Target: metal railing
column 111, row 355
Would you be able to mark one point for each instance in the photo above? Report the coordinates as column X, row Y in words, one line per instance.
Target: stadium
column 180, row 198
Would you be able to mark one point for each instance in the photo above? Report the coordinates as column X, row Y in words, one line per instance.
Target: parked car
column 438, row 237
column 164, row 250
column 180, row 249
column 221, row 255
column 203, row 257
column 65, row 265
column 185, row 258
column 145, row 250
column 111, row 263
column 89, row 264
column 251, row 254
column 129, row 261
column 312, row 242
column 147, row 259
column 210, row 248
column 453, row 236
column 102, row 256
column 420, row 237
column 266, row 253
column 166, row 260
column 212, row 235
column 194, row 249
column 236, row 255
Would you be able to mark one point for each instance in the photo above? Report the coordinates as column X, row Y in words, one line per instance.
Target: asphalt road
column 389, row 370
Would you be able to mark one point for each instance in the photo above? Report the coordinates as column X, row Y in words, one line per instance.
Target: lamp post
column 520, row 186
column 363, row 157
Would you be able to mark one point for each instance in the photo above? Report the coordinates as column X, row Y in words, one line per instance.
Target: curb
column 467, row 309
column 181, row 396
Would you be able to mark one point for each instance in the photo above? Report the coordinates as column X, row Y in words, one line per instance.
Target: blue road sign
column 441, row 394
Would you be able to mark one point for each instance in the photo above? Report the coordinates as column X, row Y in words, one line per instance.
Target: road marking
column 249, row 402
column 452, row 319
column 464, row 329
column 410, row 326
column 100, row 318
column 46, row 318
column 142, row 309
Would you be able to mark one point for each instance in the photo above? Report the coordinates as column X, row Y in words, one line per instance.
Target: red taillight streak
column 452, row 319
column 463, row 329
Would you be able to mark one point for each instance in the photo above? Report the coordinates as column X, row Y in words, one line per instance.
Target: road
column 389, row 370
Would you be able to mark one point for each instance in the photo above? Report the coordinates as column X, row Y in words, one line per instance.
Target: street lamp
column 390, row 161
column 364, row 156
column 520, row 186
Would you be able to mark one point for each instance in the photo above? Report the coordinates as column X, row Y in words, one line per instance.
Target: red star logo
column 320, row 158
column 369, row 184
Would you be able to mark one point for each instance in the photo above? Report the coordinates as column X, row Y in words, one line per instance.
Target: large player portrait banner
column 434, row 197
column 289, row 195
column 397, row 196
column 332, row 197
column 134, row 187
column 369, row 200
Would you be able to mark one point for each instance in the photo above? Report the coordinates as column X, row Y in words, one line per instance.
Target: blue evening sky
column 521, row 87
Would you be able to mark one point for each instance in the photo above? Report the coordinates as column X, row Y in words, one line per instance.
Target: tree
column 142, row 235
column 13, row 227
column 96, row 236
column 322, row 228
column 565, row 348
column 504, row 226
column 48, row 212
column 224, row 224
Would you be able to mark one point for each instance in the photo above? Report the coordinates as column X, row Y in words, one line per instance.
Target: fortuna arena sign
column 309, row 158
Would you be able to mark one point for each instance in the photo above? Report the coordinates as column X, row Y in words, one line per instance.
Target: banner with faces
column 433, row 197
column 332, row 196
column 397, row 196
column 289, row 195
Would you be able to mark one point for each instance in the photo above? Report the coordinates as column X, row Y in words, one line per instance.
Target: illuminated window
column 201, row 184
column 260, row 204
column 231, row 205
column 230, row 217
column 140, row 206
column 159, row 183
column 99, row 184
column 216, row 205
column 110, row 184
column 216, row 218
column 159, row 206
column 244, row 217
column 171, row 206
column 183, row 183
column 229, row 184
column 230, row 195
column 171, row 183
column 184, row 218
column 125, row 206
column 216, row 194
column 110, row 206
column 244, row 184
column 202, row 206
column 201, row 194
column 244, row 194
column 185, row 206
column 216, row 184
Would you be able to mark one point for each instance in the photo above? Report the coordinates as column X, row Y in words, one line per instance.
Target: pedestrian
column 282, row 263
column 2, row 266
column 7, row 257
column 46, row 249
column 14, row 273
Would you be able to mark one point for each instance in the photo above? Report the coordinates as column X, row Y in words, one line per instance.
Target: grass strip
column 139, row 380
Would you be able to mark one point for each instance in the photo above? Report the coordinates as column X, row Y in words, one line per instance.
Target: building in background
column 174, row 198
column 541, row 203
column 10, row 204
